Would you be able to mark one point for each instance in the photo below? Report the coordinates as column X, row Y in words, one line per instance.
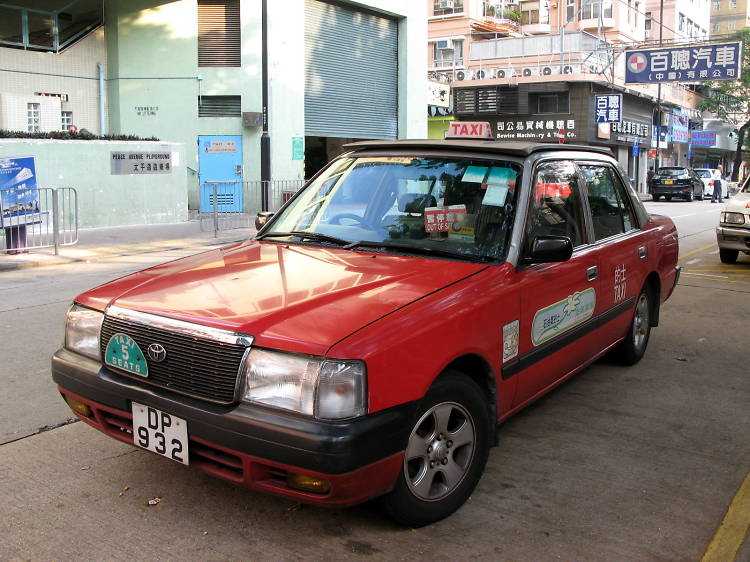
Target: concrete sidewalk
column 97, row 243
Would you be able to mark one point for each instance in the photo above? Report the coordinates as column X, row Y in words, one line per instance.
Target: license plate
column 160, row 432
column 669, row 182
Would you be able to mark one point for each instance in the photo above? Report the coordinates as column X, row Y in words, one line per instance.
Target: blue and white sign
column 719, row 61
column 636, row 148
column 18, row 189
column 703, row 138
column 608, row 108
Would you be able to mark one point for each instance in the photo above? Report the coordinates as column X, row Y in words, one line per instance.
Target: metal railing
column 225, row 213
column 49, row 222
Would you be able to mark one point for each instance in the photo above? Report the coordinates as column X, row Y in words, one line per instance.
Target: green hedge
column 65, row 135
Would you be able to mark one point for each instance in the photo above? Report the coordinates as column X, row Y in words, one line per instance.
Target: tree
column 730, row 99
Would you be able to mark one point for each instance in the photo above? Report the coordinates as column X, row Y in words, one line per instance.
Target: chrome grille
column 195, row 366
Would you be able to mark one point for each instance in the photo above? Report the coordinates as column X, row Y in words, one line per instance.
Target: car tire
column 668, row 197
column 689, row 197
column 728, row 256
column 633, row 347
column 439, row 475
column 656, row 197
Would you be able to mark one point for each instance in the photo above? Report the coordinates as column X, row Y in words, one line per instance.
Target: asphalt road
column 635, row 463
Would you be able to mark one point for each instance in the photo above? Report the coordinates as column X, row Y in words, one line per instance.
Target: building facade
column 191, row 72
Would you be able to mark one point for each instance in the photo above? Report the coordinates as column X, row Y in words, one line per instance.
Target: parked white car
column 733, row 232
column 708, row 176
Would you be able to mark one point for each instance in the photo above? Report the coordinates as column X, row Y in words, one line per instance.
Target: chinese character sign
column 18, row 189
column 608, row 108
column 680, row 126
column 684, row 64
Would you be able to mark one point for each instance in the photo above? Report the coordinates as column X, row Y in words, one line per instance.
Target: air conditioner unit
column 529, row 72
column 567, row 69
column 593, row 69
column 444, row 44
column 547, row 70
column 464, row 75
column 484, row 74
column 502, row 73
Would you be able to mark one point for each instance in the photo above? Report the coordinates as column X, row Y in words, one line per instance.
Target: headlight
column 325, row 388
column 733, row 218
column 82, row 328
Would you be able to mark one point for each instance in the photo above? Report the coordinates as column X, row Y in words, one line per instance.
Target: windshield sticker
column 440, row 219
column 474, row 174
column 386, row 159
column 510, row 341
column 501, row 176
column 563, row 315
column 463, row 229
column 495, row 195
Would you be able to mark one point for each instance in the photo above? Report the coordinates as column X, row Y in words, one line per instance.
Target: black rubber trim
column 328, row 447
column 529, row 358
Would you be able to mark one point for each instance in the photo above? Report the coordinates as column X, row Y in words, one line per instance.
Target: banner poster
column 19, row 193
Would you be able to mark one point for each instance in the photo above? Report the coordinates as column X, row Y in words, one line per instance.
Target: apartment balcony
column 595, row 23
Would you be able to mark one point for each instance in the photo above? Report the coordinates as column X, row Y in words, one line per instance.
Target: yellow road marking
column 733, row 529
column 719, row 280
column 691, row 252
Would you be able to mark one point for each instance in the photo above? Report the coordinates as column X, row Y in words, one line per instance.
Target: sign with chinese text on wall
column 608, row 108
column 684, row 64
column 540, row 130
column 18, row 189
column 703, row 138
column 141, row 163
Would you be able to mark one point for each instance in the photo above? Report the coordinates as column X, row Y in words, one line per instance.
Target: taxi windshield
column 448, row 207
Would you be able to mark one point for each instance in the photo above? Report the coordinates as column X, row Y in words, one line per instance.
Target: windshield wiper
column 305, row 236
column 423, row 250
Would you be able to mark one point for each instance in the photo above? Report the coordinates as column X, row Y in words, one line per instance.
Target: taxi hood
column 294, row 297
column 738, row 203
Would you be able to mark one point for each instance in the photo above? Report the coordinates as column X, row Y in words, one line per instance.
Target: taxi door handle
column 642, row 252
column 592, row 273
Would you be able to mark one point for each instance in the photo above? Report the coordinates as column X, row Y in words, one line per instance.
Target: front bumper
column 733, row 238
column 250, row 445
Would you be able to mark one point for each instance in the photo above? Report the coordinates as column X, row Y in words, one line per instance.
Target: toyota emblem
column 156, row 352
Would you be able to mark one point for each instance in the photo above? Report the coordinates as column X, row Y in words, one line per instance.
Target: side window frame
column 623, row 193
column 587, row 229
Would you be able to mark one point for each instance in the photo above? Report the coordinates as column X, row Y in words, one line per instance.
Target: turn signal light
column 79, row 407
column 305, row 483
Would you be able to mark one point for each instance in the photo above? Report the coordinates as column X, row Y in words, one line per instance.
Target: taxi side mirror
column 545, row 249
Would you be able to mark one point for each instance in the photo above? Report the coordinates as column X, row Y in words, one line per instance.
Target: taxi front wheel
column 445, row 454
column 633, row 347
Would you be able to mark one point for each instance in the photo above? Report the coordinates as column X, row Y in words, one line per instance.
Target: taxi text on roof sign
column 679, row 64
column 469, row 130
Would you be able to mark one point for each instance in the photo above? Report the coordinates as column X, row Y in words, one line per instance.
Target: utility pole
column 265, row 138
column 658, row 94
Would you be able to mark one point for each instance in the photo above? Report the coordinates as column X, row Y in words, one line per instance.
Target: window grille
column 33, row 117
column 219, row 106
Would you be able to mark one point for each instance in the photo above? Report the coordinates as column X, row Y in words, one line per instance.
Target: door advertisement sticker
column 563, row 315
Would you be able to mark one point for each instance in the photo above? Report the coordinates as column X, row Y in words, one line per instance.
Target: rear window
column 672, row 171
column 703, row 173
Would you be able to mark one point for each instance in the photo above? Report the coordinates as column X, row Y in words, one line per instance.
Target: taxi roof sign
column 469, row 130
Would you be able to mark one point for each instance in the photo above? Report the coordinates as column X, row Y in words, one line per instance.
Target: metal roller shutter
column 351, row 73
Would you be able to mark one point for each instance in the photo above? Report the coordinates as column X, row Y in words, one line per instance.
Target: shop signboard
column 553, row 128
column 697, row 62
column 703, row 138
column 608, row 108
column 19, row 193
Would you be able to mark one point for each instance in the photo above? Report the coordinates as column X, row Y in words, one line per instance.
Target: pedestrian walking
column 717, row 191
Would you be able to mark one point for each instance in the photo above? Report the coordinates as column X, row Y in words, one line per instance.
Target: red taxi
column 370, row 338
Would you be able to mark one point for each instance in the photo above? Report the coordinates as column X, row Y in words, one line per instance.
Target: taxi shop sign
column 718, row 61
column 608, row 108
column 469, row 130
